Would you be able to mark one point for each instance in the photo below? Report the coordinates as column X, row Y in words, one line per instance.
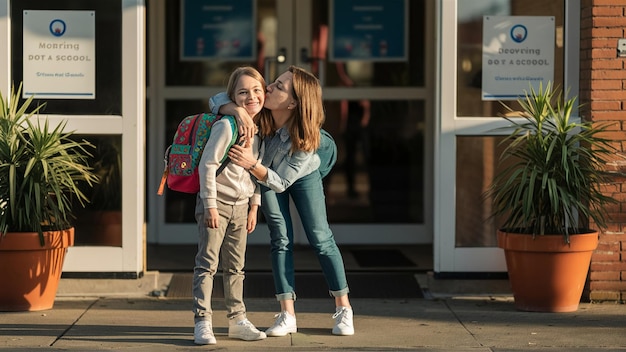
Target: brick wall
column 603, row 92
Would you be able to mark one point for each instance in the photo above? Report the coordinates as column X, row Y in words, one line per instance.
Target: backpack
column 327, row 152
column 183, row 156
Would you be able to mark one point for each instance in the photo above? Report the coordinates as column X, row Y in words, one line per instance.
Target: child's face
column 249, row 94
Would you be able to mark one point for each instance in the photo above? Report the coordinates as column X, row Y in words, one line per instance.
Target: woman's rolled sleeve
column 216, row 101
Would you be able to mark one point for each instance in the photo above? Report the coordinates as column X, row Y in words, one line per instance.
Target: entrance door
column 111, row 115
column 378, row 111
column 468, row 141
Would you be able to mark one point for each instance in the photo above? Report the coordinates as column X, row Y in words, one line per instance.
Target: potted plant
column 40, row 167
column 547, row 193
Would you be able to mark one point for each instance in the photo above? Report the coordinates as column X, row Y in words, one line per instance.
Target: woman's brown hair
column 308, row 117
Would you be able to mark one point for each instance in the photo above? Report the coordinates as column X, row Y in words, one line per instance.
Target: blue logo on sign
column 57, row 27
column 519, row 33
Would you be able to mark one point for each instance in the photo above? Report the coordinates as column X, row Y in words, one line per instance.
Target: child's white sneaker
column 245, row 330
column 203, row 333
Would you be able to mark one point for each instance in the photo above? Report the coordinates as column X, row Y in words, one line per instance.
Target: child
column 226, row 212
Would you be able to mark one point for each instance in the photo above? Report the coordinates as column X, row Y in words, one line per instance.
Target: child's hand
column 211, row 218
column 252, row 218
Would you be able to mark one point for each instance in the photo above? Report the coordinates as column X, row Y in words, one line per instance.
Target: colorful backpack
column 183, row 156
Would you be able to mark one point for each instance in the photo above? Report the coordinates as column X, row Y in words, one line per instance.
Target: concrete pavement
column 471, row 316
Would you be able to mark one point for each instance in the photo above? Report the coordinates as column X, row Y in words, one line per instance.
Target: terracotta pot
column 30, row 273
column 547, row 274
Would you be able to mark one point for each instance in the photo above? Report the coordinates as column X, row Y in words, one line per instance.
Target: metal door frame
column 294, row 35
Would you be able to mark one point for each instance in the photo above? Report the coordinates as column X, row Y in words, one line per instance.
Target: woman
column 289, row 168
column 226, row 212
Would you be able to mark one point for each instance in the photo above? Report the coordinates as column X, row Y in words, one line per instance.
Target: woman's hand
column 242, row 155
column 247, row 127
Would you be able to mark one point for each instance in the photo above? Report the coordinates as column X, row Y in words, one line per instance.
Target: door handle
column 305, row 58
column 282, row 55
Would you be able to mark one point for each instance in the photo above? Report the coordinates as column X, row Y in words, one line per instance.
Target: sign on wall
column 218, row 29
column 59, row 54
column 369, row 30
column 518, row 51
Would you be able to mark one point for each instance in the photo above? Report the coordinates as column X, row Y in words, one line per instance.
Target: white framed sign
column 59, row 53
column 518, row 51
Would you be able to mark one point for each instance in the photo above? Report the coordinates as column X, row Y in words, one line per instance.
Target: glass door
column 107, row 239
column 468, row 143
column 377, row 111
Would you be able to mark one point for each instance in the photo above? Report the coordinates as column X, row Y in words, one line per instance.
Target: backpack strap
column 236, row 139
column 166, row 172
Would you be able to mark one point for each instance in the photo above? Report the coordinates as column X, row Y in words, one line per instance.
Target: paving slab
column 440, row 324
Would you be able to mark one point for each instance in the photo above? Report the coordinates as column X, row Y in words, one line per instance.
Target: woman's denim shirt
column 283, row 167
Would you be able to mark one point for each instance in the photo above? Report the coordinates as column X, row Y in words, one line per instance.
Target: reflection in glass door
column 378, row 112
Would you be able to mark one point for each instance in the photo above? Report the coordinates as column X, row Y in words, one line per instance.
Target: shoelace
column 281, row 319
column 340, row 315
column 247, row 323
column 205, row 328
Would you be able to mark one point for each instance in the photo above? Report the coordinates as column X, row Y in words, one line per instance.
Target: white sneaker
column 203, row 333
column 285, row 324
column 245, row 330
column 343, row 322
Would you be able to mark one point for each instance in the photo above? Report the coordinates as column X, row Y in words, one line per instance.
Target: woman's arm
column 288, row 170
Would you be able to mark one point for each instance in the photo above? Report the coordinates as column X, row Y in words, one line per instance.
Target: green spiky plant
column 552, row 184
column 40, row 168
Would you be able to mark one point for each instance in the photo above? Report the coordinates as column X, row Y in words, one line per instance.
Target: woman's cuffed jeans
column 308, row 197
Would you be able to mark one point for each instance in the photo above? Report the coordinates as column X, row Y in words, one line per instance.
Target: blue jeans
column 308, row 196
